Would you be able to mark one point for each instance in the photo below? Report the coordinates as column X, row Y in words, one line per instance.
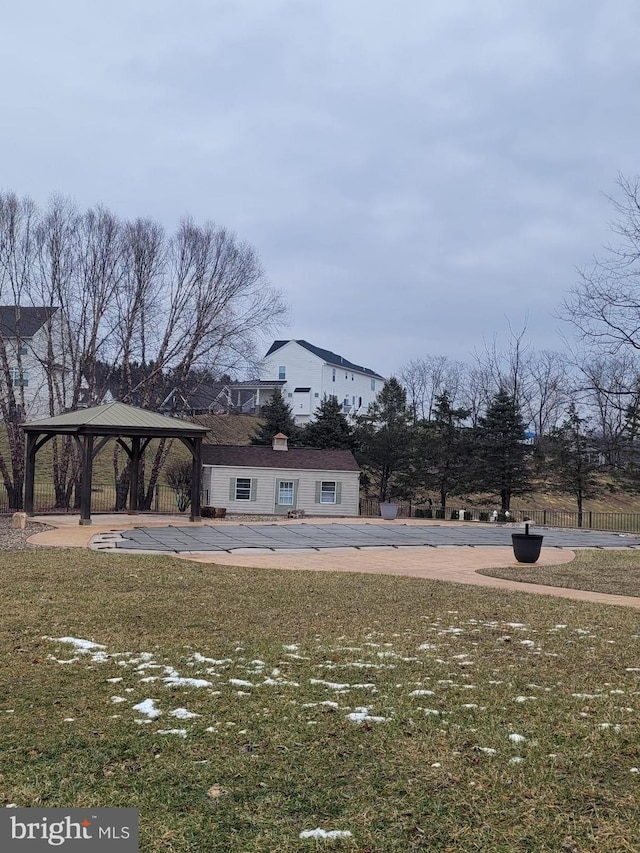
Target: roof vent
column 280, row 442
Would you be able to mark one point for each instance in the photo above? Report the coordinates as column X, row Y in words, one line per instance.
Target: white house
column 309, row 373
column 25, row 333
column 254, row 479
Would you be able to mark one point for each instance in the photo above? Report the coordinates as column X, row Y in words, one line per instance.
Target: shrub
column 484, row 516
column 468, row 515
column 423, row 512
column 178, row 476
column 440, row 513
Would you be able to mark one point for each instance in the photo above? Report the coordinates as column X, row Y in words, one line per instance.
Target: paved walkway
column 457, row 563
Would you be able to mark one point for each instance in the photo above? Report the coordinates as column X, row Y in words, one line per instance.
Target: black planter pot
column 526, row 546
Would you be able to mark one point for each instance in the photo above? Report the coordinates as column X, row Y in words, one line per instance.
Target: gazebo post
column 135, row 475
column 196, row 479
column 87, row 471
column 30, row 472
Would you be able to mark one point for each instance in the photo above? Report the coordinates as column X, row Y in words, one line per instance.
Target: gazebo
column 92, row 428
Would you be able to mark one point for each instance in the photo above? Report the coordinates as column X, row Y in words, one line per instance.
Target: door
column 286, row 495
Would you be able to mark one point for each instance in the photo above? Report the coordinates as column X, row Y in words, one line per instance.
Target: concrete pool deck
column 456, row 563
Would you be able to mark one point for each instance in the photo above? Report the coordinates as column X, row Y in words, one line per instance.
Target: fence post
column 544, row 517
column 590, row 514
column 156, row 505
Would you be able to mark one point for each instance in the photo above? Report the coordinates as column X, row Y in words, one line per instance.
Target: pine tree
column 443, row 450
column 500, row 452
column 384, row 440
column 569, row 463
column 277, row 417
column 329, row 429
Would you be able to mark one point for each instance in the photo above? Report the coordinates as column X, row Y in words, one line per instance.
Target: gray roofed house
column 26, row 358
column 256, row 479
column 326, row 355
column 310, row 373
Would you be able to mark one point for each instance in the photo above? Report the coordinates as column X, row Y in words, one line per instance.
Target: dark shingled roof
column 18, row 321
column 258, row 456
column 328, row 356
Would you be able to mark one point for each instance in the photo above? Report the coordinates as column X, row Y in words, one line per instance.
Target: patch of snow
column 588, row 695
column 183, row 714
column 239, row 682
column 83, row 646
column 332, row 685
column 177, row 681
column 422, row 693
column 361, row 715
column 323, row 833
column 148, row 709
column 515, row 738
column 179, row 732
column 117, row 699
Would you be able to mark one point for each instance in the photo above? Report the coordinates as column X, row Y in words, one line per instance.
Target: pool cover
column 320, row 536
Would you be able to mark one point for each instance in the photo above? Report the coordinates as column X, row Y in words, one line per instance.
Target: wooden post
column 87, row 470
column 134, row 476
column 196, row 479
column 30, row 472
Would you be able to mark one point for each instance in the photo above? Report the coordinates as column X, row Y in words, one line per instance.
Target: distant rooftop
column 18, row 321
column 327, row 356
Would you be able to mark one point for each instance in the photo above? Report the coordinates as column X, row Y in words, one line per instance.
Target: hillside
column 224, row 429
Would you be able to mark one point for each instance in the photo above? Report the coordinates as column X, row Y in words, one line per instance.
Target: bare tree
column 425, row 379
column 551, row 391
column 604, row 305
column 608, row 388
column 17, row 223
column 131, row 311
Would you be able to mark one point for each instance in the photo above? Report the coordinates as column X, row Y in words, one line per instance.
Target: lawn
column 239, row 710
column 611, row 571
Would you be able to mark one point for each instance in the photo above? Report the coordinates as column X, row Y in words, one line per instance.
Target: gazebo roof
column 118, row 419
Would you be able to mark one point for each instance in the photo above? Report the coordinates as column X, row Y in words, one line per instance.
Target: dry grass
column 611, row 571
column 436, row 774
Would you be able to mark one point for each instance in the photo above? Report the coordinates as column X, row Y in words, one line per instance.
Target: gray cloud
column 410, row 173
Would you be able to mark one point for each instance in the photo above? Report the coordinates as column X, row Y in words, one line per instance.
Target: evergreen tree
column 569, row 463
column 276, row 417
column 329, row 429
column 499, row 451
column 384, row 441
column 443, row 450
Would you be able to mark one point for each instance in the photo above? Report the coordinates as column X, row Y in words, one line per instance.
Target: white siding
column 216, row 480
column 306, row 370
column 356, row 390
column 31, row 363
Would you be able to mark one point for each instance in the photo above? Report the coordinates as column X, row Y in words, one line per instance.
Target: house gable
column 310, row 373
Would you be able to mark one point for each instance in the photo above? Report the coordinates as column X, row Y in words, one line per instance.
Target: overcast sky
column 411, row 173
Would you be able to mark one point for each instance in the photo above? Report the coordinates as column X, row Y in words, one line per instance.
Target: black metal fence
column 103, row 499
column 621, row 522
